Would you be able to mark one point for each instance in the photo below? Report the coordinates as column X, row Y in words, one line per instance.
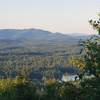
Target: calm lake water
column 66, row 78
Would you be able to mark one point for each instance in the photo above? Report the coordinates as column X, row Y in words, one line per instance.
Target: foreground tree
column 91, row 51
column 89, row 61
column 91, row 56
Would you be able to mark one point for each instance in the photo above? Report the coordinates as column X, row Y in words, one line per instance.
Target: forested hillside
column 36, row 53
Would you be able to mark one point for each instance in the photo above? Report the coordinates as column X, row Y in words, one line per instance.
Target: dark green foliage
column 16, row 89
column 91, row 89
column 91, row 56
column 21, row 89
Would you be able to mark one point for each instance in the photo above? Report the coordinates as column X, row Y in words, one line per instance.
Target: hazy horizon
column 70, row 33
column 65, row 16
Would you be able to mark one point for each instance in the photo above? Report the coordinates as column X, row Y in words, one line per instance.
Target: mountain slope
column 34, row 37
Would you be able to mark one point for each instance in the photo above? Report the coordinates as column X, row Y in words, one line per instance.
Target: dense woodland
column 17, row 72
column 32, row 63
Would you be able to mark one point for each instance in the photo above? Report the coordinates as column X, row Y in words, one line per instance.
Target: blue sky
column 67, row 16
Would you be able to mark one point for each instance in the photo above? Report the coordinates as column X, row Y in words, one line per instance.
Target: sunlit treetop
column 96, row 24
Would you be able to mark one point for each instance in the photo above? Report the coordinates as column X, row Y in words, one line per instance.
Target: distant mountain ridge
column 35, row 38
column 32, row 33
column 28, row 33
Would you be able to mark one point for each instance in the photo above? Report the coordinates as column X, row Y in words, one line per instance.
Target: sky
column 66, row 16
